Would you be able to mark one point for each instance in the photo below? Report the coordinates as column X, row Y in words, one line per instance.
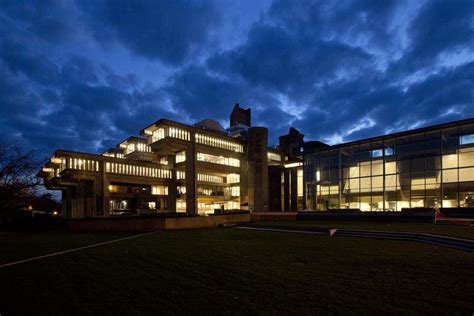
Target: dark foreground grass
column 453, row 230
column 237, row 271
column 16, row 246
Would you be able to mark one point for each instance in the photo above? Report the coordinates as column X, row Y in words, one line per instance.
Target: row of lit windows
column 137, row 170
column 363, row 169
column 209, row 208
column 180, row 175
column 211, row 190
column 233, row 178
column 158, row 134
column 234, row 191
column 159, row 190
column 219, row 143
column 179, row 133
column 393, row 183
column 218, row 160
column 448, row 175
column 209, row 178
column 173, row 132
column 113, row 155
column 141, row 147
column 452, row 196
column 83, row 164
column 181, row 156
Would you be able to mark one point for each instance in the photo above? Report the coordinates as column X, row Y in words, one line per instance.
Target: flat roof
column 397, row 134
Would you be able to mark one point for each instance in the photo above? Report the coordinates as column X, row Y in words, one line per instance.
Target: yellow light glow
column 293, row 164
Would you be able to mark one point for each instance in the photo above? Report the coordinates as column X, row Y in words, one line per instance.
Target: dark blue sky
column 84, row 75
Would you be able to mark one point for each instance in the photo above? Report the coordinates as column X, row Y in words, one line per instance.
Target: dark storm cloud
column 49, row 20
column 439, row 27
column 287, row 62
column 24, row 61
column 86, row 74
column 202, row 94
column 346, row 20
column 169, row 31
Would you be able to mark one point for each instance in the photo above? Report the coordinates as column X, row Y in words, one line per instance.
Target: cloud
column 439, row 27
column 169, row 31
column 84, row 75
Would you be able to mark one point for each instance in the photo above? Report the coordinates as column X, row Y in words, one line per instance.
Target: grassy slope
column 17, row 246
column 462, row 231
column 235, row 271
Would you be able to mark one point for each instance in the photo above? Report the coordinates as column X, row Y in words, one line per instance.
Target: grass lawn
column 462, row 231
column 237, row 271
column 16, row 246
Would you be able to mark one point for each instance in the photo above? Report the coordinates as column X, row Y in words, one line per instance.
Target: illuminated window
column 180, row 156
column 159, row 190
column 219, row 143
column 218, row 160
column 158, row 134
column 300, row 181
column 137, row 170
column 209, row 178
column 233, row 178
column 235, row 191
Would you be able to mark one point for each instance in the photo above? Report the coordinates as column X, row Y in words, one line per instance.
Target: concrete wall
column 140, row 224
column 204, row 221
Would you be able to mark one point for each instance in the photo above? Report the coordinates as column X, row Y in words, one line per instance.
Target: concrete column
column 244, row 171
column 172, row 190
column 191, row 177
column 294, row 189
column 104, row 195
column 286, row 191
column 258, row 169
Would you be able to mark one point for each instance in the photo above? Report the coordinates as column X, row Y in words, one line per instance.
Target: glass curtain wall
column 427, row 169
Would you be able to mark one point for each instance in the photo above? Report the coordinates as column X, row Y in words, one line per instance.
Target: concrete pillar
column 244, row 174
column 103, row 192
column 294, row 189
column 172, row 190
column 191, row 177
column 258, row 169
column 286, row 191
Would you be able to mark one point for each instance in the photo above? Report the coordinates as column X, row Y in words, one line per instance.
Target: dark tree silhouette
column 18, row 180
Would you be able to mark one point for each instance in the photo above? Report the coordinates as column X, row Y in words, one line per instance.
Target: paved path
column 452, row 242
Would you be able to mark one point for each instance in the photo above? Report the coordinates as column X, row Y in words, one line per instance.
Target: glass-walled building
column 428, row 167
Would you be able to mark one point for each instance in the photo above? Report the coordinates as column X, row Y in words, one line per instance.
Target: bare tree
column 18, row 169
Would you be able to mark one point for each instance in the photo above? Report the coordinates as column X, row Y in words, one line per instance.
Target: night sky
column 85, row 75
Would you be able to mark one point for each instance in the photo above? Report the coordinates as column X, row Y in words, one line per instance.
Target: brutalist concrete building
column 174, row 167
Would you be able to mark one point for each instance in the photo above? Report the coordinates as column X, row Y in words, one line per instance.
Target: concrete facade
column 173, row 167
